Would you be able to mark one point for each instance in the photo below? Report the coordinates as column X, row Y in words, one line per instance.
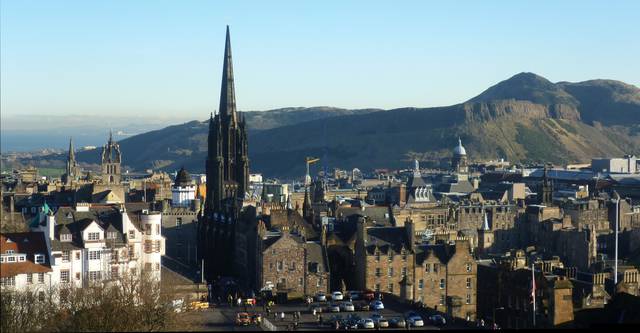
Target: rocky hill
column 523, row 119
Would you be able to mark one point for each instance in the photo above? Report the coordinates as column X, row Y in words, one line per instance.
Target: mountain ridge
column 525, row 118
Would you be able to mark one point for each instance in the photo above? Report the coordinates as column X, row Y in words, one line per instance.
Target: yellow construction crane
column 309, row 160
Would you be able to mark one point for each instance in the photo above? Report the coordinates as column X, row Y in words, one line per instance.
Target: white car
column 367, row 323
column 347, row 307
column 415, row 321
column 321, row 297
column 337, row 296
column 377, row 305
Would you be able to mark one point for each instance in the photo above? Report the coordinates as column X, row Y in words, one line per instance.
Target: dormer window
column 132, row 234
column 39, row 258
column 93, row 236
column 9, row 251
column 65, row 237
column 111, row 235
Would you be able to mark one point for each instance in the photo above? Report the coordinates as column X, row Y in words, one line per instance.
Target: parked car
column 438, row 320
column 243, row 319
column 321, row 297
column 415, row 321
column 334, row 307
column 367, row 323
column 379, row 320
column 397, row 322
column 347, row 307
column 362, row 306
column 377, row 305
column 368, row 295
column 337, row 296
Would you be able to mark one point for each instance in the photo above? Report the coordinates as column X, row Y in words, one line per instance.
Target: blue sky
column 164, row 58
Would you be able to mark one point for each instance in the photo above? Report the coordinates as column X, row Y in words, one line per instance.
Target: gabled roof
column 29, row 243
column 386, row 239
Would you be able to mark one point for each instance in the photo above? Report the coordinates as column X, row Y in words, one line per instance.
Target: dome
column 459, row 150
column 183, row 178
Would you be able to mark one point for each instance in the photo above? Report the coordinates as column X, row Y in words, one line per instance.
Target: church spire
column 72, row 156
column 227, row 91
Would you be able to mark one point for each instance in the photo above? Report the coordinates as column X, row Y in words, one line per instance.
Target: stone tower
column 111, row 158
column 227, row 169
column 72, row 171
column 459, row 163
column 545, row 191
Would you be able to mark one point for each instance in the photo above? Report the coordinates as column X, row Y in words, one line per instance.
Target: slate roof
column 386, row 239
column 29, row 243
column 459, row 187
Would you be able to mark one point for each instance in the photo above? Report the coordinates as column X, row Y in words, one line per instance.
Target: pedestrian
column 314, row 311
column 239, row 301
column 230, row 299
column 481, row 322
column 282, row 316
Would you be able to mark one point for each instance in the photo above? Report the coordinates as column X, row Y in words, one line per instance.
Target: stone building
column 290, row 264
column 445, row 279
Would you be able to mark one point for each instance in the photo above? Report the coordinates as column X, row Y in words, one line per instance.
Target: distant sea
column 24, row 141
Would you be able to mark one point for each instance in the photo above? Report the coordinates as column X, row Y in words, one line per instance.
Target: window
column 377, row 287
column 132, row 252
column 157, row 229
column 115, row 273
column 441, row 300
column 157, row 265
column 40, row 277
column 468, row 298
column 9, row 281
column 390, row 287
column 156, row 246
column 64, row 276
column 132, row 234
column 77, row 255
column 404, row 271
column 178, row 222
column 279, row 268
column 271, row 267
column 77, row 276
column 377, row 256
column 404, row 257
column 21, row 258
column 378, row 273
column 390, row 256
column 435, row 268
column 468, row 267
column 147, row 266
column 94, row 275
column 9, row 252
column 111, row 235
column 65, row 237
column 11, row 259
column 319, row 282
column 442, row 284
column 39, row 258
column 293, row 266
column 29, row 278
column 65, row 256
column 420, row 284
column 92, row 236
column 94, row 255
column 468, row 283
column 147, row 229
column 390, row 271
column 300, row 281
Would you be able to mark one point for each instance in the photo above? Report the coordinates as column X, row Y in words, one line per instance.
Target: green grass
column 50, row 172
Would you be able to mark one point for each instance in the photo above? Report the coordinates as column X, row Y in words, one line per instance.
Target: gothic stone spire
column 227, row 91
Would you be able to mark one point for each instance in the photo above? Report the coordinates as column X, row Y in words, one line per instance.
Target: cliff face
column 507, row 109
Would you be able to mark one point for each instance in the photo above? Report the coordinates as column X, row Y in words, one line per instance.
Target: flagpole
column 533, row 292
